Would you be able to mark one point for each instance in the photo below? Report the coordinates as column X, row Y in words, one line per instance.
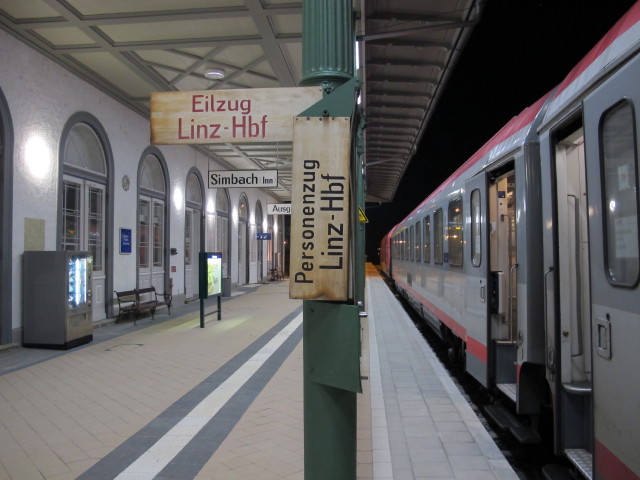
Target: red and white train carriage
column 527, row 260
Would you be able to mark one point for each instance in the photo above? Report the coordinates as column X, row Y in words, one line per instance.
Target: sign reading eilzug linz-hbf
column 320, row 209
column 228, row 116
column 243, row 178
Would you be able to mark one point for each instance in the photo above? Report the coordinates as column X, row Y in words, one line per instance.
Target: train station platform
column 166, row 399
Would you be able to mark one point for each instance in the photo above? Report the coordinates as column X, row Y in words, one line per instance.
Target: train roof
column 621, row 40
column 513, row 134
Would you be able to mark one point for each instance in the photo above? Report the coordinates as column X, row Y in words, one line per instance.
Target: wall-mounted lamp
column 214, row 73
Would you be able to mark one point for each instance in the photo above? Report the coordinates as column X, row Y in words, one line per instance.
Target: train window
column 438, row 236
column 454, row 232
column 411, row 243
column 405, row 246
column 427, row 239
column 476, row 239
column 417, row 243
column 620, row 195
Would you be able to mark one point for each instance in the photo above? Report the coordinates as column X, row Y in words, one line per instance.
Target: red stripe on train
column 474, row 347
column 610, row 467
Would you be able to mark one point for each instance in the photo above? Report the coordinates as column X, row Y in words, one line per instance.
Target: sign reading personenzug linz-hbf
column 243, row 178
column 320, row 209
column 228, row 116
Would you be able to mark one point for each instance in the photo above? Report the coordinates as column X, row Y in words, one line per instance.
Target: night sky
column 519, row 51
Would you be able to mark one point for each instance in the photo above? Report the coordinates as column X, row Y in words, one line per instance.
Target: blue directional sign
column 125, row 240
column 263, row 236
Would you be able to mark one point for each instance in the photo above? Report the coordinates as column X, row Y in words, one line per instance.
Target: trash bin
column 226, row 286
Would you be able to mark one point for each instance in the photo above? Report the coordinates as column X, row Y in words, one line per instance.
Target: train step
column 509, row 390
column 507, row 421
column 582, row 460
column 557, row 472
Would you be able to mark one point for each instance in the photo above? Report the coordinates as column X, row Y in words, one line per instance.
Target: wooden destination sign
column 228, row 116
column 320, row 208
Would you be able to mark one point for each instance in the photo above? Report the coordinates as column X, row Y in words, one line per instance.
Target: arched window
column 193, row 195
column 243, row 243
column 152, row 227
column 82, row 150
column 192, row 216
column 222, row 231
column 260, row 246
column 152, row 176
column 243, row 209
column 84, row 206
column 83, row 196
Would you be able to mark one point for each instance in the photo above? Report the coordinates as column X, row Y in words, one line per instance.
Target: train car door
column 572, row 325
column 612, row 114
column 503, row 265
column 476, row 270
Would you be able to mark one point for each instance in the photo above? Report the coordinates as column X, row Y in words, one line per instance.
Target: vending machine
column 56, row 299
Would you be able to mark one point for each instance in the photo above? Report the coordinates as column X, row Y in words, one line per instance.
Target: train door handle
column 603, row 337
column 550, row 354
column 482, row 293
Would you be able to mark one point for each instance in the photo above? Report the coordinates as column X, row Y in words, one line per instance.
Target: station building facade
column 77, row 172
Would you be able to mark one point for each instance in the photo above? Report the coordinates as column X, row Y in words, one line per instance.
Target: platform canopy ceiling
column 130, row 48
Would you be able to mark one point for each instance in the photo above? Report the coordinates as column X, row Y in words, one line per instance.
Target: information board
column 210, row 274
column 125, row 240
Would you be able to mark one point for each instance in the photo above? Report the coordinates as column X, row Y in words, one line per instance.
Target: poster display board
column 210, row 274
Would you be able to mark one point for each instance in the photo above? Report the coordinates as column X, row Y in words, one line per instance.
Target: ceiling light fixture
column 214, row 73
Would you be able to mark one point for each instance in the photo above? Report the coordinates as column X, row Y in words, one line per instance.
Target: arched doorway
column 260, row 243
column 84, row 209
column 222, row 230
column 152, row 223
column 243, row 243
column 192, row 233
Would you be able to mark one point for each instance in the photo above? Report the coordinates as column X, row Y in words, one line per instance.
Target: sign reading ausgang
column 320, row 209
column 278, row 209
column 228, row 116
column 243, row 178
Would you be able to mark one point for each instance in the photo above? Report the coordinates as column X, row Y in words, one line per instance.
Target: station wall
column 41, row 97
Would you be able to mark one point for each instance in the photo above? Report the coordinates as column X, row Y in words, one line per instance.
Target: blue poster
column 125, row 240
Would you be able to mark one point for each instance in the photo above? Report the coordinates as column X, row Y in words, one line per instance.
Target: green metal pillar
column 327, row 43
column 357, row 174
column 331, row 330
